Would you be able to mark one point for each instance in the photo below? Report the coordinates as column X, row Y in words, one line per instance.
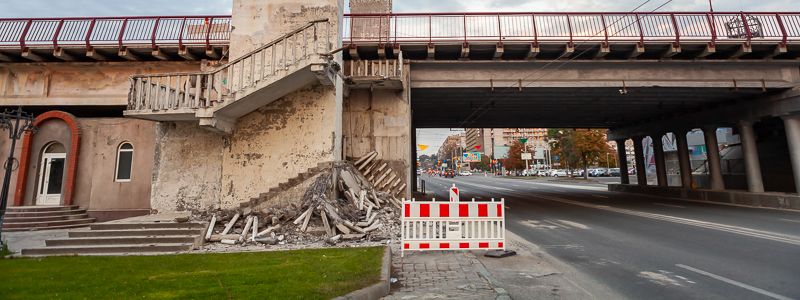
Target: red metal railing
column 115, row 31
column 573, row 27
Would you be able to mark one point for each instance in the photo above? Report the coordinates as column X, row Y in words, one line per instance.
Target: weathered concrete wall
column 278, row 141
column 380, row 120
column 188, row 167
column 99, row 83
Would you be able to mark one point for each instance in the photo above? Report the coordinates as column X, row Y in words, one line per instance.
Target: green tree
column 514, row 160
column 580, row 147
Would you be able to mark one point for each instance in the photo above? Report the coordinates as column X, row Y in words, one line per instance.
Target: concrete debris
column 359, row 213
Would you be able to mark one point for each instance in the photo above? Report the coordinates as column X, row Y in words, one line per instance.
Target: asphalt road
column 646, row 247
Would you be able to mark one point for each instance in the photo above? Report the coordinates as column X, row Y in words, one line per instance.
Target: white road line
column 556, row 224
column 790, row 220
column 668, row 205
column 484, row 186
column 783, row 238
column 736, row 283
column 598, row 196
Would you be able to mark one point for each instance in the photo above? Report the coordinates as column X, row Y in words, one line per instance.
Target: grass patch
column 301, row 274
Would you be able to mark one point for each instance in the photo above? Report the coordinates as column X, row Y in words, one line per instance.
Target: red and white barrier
column 438, row 225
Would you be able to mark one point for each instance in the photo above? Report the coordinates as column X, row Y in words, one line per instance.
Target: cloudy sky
column 432, row 137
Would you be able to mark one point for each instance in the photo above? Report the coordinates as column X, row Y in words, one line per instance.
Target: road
column 647, row 247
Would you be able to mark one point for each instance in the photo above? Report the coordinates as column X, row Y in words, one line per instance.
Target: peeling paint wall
column 98, row 83
column 188, row 167
column 277, row 142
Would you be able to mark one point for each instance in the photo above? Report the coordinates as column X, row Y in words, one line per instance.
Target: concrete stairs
column 27, row 218
column 283, row 186
column 115, row 238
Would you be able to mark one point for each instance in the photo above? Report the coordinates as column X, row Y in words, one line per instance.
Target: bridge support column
column 622, row 159
column 683, row 158
column 752, row 166
column 661, row 164
column 638, row 152
column 712, row 153
column 792, row 124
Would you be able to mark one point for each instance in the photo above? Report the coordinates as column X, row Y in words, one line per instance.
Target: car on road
column 465, row 173
column 449, row 174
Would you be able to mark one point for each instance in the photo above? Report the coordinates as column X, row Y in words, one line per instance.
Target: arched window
column 124, row 162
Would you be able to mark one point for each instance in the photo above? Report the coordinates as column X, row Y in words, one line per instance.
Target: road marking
column 579, row 187
column 790, row 220
column 777, row 237
column 486, row 186
column 574, row 224
column 598, row 196
column 556, row 224
column 669, row 205
column 736, row 283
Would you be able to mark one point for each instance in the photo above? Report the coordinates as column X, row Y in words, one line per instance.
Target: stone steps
column 289, row 183
column 126, row 238
column 107, row 249
column 27, row 218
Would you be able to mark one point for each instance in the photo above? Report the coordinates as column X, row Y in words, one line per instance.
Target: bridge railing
column 115, row 31
column 272, row 61
column 572, row 27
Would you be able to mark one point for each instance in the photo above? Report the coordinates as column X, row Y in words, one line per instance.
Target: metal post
column 15, row 131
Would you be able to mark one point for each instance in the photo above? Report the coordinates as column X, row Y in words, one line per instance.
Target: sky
column 432, row 137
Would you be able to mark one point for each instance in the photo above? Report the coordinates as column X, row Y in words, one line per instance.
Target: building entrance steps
column 27, row 218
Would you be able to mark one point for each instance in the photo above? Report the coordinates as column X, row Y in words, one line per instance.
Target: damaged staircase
column 218, row 98
column 122, row 238
column 289, row 183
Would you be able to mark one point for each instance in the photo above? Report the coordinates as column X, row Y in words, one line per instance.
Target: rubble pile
column 361, row 212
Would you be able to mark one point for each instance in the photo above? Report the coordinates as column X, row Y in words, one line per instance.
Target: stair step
column 43, row 224
column 135, row 232
column 44, row 228
column 40, row 208
column 124, row 240
column 18, row 219
column 10, row 214
column 110, row 249
column 160, row 225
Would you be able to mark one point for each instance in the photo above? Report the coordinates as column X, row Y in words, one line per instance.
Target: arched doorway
column 51, row 174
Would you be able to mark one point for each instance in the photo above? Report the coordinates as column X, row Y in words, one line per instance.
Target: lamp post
column 16, row 122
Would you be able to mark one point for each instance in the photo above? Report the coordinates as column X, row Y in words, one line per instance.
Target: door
column 51, row 176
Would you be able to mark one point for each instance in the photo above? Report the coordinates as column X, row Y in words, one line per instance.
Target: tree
column 485, row 164
column 514, row 160
column 582, row 147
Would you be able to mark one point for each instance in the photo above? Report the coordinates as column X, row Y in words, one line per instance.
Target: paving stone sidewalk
column 441, row 275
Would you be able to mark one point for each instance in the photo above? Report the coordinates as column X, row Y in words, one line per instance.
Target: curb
column 379, row 289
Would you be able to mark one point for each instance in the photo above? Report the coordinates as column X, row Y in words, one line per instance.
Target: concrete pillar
column 638, row 152
column 622, row 160
column 752, row 166
column 683, row 158
column 661, row 164
column 792, row 124
column 712, row 153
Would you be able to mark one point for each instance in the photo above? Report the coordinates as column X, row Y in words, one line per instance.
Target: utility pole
column 16, row 122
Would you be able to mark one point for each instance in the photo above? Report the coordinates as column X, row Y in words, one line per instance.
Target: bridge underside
column 550, row 107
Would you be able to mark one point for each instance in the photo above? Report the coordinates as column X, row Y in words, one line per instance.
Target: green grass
column 301, row 274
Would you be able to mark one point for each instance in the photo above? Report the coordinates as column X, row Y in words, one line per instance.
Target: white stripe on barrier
column 432, row 225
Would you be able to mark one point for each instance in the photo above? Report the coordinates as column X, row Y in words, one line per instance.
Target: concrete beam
column 158, row 54
column 743, row 49
column 569, row 48
column 213, row 53
column 125, row 53
column 603, row 51
column 186, row 54
column 93, row 54
column 708, row 50
column 381, row 51
column 465, row 51
column 671, row 51
column 637, row 51
column 431, row 51
column 63, row 55
column 30, row 55
column 534, row 51
column 353, row 51
column 779, row 50
column 498, row 51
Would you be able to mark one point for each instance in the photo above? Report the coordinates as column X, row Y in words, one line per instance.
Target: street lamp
column 16, row 122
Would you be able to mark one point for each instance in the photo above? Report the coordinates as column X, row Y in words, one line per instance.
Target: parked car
column 599, row 172
column 465, row 173
column 614, row 172
column 558, row 173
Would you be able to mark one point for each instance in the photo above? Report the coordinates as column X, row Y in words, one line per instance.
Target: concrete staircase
column 26, row 218
column 216, row 99
column 115, row 238
column 283, row 186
